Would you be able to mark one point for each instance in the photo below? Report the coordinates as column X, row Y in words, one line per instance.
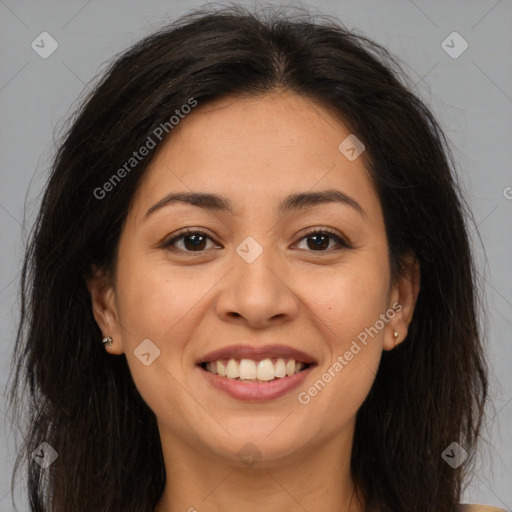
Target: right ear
column 104, row 308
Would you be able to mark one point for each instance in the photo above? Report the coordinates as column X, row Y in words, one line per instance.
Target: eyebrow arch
column 293, row 202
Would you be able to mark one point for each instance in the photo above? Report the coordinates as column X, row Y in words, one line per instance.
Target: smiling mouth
column 250, row 370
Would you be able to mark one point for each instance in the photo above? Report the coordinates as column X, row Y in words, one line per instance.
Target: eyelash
column 342, row 243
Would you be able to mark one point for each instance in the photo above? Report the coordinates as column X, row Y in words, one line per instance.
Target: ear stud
column 106, row 340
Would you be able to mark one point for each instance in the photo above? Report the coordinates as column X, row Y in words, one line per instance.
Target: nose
column 259, row 294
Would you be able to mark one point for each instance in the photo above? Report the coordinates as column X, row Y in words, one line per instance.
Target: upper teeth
column 247, row 369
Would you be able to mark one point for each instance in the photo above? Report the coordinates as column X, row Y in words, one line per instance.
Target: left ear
column 403, row 295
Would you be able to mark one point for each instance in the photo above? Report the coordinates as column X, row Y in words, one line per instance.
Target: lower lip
column 256, row 391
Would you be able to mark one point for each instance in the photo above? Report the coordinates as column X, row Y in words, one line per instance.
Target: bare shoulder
column 479, row 508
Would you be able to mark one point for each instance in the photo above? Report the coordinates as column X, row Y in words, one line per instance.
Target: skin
column 254, row 151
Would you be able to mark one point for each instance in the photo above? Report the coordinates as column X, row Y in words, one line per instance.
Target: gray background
column 471, row 96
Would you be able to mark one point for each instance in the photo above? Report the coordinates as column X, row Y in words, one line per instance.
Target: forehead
column 255, row 149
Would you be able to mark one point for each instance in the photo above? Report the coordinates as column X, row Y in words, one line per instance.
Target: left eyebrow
column 308, row 199
column 293, row 202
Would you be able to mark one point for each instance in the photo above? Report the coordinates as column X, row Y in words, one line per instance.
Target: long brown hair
column 428, row 393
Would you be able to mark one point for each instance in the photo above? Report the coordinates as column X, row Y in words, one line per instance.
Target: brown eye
column 320, row 240
column 196, row 241
column 193, row 241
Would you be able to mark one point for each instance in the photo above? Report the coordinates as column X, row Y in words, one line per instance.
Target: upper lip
column 257, row 353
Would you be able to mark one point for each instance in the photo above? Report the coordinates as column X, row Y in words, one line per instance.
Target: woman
column 261, row 224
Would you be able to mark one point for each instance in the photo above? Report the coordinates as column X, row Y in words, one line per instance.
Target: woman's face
column 261, row 284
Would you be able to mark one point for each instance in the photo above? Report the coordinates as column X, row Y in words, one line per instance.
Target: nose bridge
column 253, row 262
column 256, row 290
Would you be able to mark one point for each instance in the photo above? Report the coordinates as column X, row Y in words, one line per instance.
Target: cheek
column 153, row 305
column 346, row 300
column 347, row 306
column 151, row 301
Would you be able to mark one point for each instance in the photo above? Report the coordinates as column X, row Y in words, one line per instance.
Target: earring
column 108, row 340
column 395, row 336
